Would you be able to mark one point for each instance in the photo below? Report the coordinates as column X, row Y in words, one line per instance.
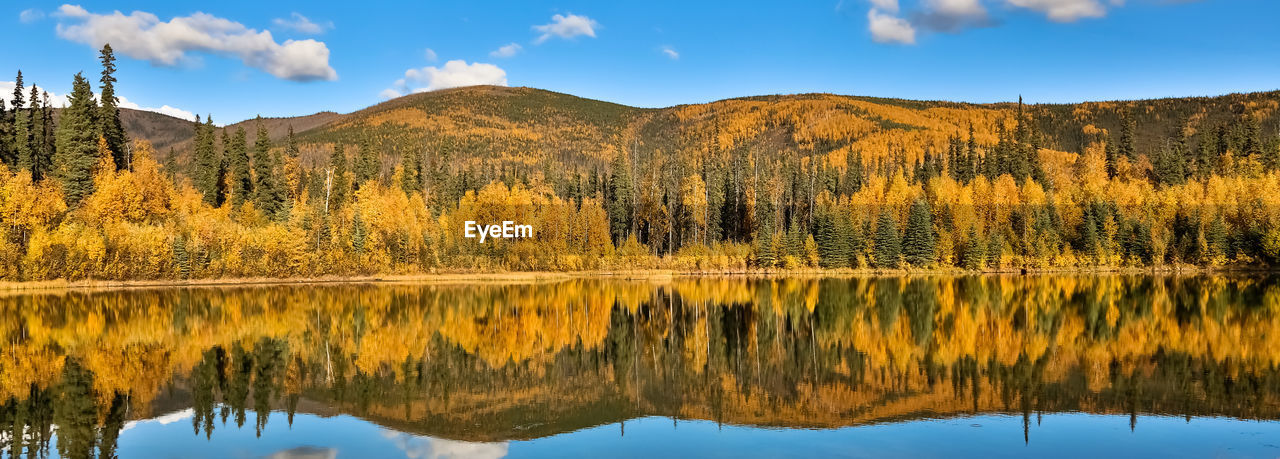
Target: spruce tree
column 853, row 173
column 764, row 254
column 621, row 198
column 49, row 136
column 237, row 154
column 411, row 178
column 995, row 249
column 974, row 250
column 339, row 187
column 1089, row 238
column 40, row 156
column 5, row 136
column 18, row 152
column 109, row 112
column 77, row 142
column 1126, row 145
column 208, row 163
column 888, row 250
column 21, row 143
column 831, row 244
column 268, row 196
column 357, row 234
column 367, row 164
column 917, row 243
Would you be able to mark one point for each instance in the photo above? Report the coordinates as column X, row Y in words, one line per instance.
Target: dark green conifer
column 888, row 250
column 917, row 243
column 77, row 142
column 109, row 112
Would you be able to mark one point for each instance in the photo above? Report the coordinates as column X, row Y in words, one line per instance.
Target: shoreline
column 544, row 276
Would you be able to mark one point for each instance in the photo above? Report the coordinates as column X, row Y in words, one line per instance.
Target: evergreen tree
column 357, row 234
column 208, row 163
column 339, row 186
column 832, row 245
column 974, row 250
column 241, row 182
column 109, row 112
column 995, row 249
column 853, row 173
column 1216, row 238
column 1126, row 145
column 49, row 137
column 41, row 154
column 764, row 253
column 5, row 136
column 19, row 129
column 20, row 144
column 268, row 195
column 621, row 198
column 411, row 180
column 1092, row 244
column 917, row 243
column 77, row 142
column 367, row 164
column 888, row 251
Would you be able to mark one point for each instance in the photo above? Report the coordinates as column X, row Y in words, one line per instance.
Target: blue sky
column 218, row 58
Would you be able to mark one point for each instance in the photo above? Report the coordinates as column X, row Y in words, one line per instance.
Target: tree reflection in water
column 494, row 362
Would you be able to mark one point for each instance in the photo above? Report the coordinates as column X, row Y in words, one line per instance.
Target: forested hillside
column 800, row 181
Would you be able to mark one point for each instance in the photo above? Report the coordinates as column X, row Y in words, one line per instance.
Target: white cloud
column 430, row 54
column 890, row 6
column 164, row 109
column 566, row 27
column 30, row 15
column 1064, row 10
column 418, row 447
column 506, row 50
column 886, row 28
column 452, row 74
column 671, row 53
column 389, row 93
column 301, row 24
column 951, row 15
column 141, row 35
column 957, row 7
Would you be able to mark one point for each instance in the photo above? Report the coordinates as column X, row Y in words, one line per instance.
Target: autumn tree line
column 79, row 200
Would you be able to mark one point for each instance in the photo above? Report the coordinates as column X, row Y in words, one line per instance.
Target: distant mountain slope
column 166, row 132
column 163, row 131
column 494, row 126
column 491, row 126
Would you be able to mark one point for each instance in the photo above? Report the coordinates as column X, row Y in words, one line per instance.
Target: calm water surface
column 723, row 367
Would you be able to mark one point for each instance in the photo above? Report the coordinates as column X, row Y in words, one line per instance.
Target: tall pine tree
column 917, row 243
column 888, row 250
column 20, row 144
column 109, row 112
column 621, row 198
column 208, row 163
column 268, row 195
column 339, row 186
column 241, row 182
column 77, row 147
column 367, row 164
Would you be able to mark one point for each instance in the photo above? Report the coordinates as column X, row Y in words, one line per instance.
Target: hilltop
column 524, row 126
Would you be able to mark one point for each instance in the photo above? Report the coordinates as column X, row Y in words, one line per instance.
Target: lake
column 931, row 366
